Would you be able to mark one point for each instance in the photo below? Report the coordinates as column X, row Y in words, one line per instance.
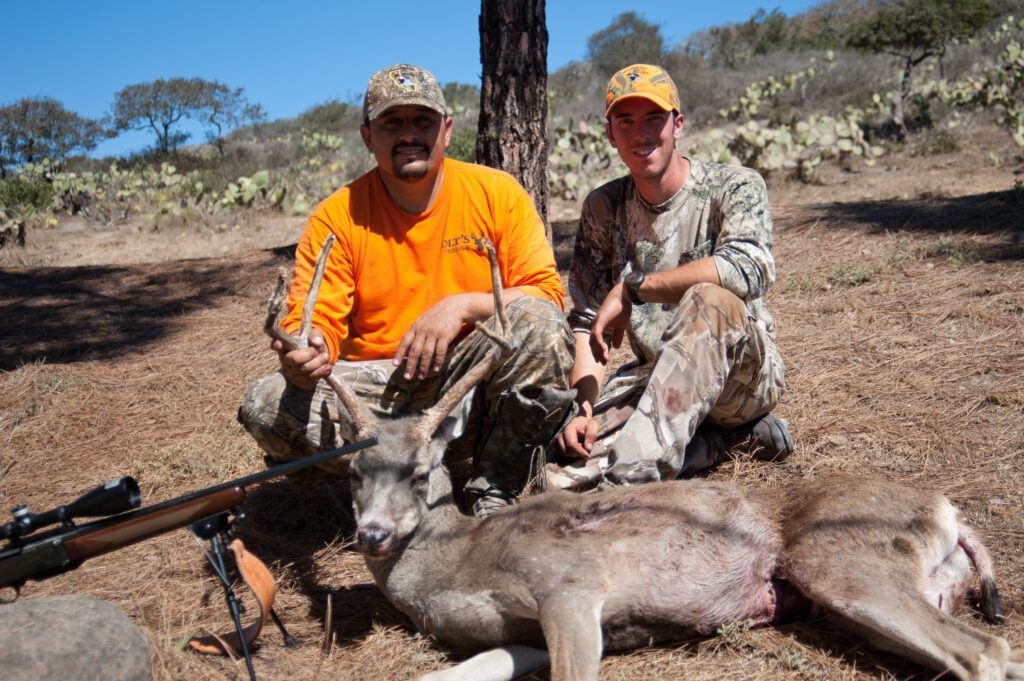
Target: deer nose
column 372, row 538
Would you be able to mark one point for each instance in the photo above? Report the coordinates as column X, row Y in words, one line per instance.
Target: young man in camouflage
column 676, row 256
column 404, row 283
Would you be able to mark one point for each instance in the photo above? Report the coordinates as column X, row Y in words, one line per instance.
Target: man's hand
column 425, row 344
column 578, row 437
column 303, row 368
column 613, row 315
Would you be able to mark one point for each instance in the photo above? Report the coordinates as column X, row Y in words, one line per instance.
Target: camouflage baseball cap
column 645, row 82
column 402, row 84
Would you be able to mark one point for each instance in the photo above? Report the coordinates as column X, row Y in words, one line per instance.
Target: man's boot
column 766, row 438
column 770, row 438
column 490, row 501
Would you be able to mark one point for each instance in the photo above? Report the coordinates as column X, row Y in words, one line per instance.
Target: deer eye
column 421, row 479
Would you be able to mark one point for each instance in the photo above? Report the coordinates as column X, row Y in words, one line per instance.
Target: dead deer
column 562, row 577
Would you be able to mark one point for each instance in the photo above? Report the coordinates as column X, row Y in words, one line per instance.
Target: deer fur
column 563, row 577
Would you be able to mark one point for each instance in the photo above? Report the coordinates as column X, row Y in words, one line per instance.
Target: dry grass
column 911, row 370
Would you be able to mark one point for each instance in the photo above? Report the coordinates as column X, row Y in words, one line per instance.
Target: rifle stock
column 53, row 552
column 114, row 533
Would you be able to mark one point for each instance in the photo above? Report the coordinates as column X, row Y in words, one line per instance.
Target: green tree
column 41, row 127
column 225, row 109
column 159, row 106
column 914, row 30
column 770, row 31
column 331, row 116
column 732, row 45
column 627, row 40
column 162, row 105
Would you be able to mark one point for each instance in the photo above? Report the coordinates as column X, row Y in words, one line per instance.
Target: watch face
column 633, row 281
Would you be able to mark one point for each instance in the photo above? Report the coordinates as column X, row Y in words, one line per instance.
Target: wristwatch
column 633, row 281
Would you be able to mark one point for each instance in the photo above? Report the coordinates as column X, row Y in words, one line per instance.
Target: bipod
column 215, row 529
column 289, row 640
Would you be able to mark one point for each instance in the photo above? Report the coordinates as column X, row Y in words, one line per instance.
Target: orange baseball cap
column 642, row 81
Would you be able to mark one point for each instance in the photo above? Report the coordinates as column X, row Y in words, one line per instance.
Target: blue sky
column 288, row 58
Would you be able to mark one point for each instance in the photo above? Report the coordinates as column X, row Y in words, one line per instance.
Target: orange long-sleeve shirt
column 388, row 266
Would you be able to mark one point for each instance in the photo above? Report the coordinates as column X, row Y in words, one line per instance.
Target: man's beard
column 413, row 170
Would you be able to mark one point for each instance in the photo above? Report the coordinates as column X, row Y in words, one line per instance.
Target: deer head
column 395, row 483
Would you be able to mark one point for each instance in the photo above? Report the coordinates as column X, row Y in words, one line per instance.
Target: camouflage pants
column 716, row 363
column 520, row 407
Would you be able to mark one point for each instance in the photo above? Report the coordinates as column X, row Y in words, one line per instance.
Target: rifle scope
column 116, row 496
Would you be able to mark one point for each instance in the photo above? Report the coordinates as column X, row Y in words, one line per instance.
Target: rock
column 70, row 637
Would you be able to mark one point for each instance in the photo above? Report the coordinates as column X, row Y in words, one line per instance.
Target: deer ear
column 451, row 428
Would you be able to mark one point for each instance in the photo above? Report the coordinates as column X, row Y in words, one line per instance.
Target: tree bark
column 898, row 118
column 910, row 61
column 512, row 131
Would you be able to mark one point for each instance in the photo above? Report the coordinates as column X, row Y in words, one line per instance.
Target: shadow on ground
column 301, row 525
column 292, row 519
column 993, row 213
column 70, row 314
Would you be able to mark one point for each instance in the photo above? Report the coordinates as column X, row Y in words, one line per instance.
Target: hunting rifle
column 209, row 513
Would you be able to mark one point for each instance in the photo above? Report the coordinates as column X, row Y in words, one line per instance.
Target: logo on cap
column 404, row 82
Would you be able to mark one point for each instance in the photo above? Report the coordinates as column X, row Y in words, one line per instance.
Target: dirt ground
column 900, row 305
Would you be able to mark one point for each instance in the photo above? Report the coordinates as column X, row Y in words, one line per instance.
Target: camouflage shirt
column 720, row 211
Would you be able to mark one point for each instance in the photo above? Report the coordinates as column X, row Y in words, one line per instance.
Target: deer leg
column 905, row 623
column 500, row 664
column 572, row 628
column 982, row 561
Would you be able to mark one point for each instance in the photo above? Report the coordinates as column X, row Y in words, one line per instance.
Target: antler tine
column 499, row 300
column 498, row 340
column 356, row 413
column 314, row 287
column 275, row 306
column 272, row 326
column 433, row 417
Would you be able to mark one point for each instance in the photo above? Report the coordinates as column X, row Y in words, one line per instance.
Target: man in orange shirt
column 403, row 286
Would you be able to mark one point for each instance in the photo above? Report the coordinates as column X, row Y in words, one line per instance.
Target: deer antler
column 432, row 418
column 272, row 326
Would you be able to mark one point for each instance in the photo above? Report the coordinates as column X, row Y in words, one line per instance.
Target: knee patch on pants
column 536, row 415
column 525, row 418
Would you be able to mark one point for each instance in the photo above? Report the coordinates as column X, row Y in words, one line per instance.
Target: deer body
column 633, row 566
column 486, row 582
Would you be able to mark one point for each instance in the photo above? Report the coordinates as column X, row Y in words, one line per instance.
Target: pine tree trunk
column 512, row 132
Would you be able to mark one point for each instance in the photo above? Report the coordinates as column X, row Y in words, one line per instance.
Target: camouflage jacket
column 721, row 211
